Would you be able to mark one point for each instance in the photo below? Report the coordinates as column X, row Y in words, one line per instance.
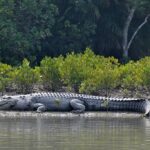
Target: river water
column 74, row 133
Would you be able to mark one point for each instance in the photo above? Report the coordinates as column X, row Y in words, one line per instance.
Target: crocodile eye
column 23, row 97
column 7, row 97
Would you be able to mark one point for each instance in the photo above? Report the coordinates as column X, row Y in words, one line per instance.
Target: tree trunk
column 127, row 43
column 126, row 31
column 137, row 30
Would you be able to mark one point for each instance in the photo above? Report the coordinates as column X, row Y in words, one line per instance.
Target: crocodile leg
column 77, row 105
column 39, row 107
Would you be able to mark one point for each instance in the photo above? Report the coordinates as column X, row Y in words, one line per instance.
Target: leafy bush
column 5, row 79
column 100, row 79
column 50, row 73
column 100, row 73
column 25, row 77
column 146, row 76
column 145, row 66
column 84, row 73
column 71, row 71
column 76, row 70
column 130, row 75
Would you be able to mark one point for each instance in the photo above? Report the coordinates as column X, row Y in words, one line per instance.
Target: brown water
column 74, row 134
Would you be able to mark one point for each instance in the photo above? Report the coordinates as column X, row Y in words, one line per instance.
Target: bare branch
column 126, row 28
column 137, row 30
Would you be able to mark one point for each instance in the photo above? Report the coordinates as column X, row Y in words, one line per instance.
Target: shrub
column 146, row 77
column 71, row 71
column 130, row 75
column 5, row 79
column 50, row 73
column 84, row 73
column 145, row 65
column 25, row 77
column 100, row 73
column 106, row 80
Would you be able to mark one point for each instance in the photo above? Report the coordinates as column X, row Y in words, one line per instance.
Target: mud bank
column 18, row 114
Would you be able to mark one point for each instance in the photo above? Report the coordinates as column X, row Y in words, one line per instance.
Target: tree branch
column 137, row 30
column 126, row 28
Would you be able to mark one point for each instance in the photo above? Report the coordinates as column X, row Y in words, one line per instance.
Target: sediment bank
column 24, row 114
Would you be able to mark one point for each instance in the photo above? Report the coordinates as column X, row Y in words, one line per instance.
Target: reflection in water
column 74, row 134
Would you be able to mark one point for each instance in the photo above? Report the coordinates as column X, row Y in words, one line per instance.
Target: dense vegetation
column 83, row 72
column 34, row 29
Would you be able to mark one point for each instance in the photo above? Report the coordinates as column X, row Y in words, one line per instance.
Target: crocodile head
column 16, row 102
column 7, row 102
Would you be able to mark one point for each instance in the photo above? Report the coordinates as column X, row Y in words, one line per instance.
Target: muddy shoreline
column 30, row 114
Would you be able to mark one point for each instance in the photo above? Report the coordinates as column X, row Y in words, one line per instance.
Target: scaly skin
column 72, row 102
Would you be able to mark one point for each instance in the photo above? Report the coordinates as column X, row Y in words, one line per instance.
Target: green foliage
column 146, row 76
column 71, row 71
column 50, row 73
column 88, row 72
column 145, row 66
column 24, row 24
column 34, row 29
column 104, row 76
column 5, row 76
column 25, row 77
column 130, row 77
column 84, row 73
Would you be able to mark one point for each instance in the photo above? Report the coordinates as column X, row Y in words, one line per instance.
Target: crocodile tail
column 147, row 108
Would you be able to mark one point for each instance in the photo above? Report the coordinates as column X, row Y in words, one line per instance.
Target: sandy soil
column 19, row 114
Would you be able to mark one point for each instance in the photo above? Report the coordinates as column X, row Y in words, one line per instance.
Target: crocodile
column 77, row 103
